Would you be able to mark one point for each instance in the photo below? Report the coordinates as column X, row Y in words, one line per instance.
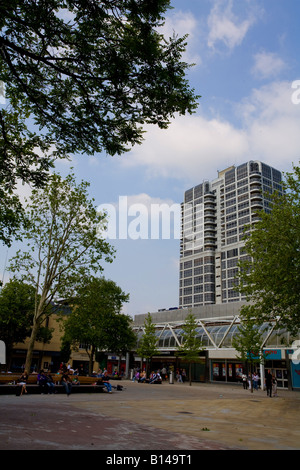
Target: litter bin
column 171, row 377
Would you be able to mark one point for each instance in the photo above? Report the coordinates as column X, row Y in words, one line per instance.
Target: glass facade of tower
column 214, row 217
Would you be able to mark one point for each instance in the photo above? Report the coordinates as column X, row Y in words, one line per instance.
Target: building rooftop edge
column 202, row 312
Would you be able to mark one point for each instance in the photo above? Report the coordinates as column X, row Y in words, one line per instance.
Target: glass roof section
column 219, row 334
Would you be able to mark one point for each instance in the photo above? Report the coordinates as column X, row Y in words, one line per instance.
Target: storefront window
column 227, row 371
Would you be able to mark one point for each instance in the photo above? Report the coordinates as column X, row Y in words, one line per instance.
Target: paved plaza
column 141, row 417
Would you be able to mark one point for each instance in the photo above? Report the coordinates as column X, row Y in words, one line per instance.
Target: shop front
column 227, row 371
column 276, row 362
column 198, row 369
column 225, row 367
column 285, row 365
column 116, row 365
column 166, row 359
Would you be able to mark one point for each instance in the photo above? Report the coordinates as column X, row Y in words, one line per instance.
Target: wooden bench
column 9, row 382
column 13, row 378
column 32, row 379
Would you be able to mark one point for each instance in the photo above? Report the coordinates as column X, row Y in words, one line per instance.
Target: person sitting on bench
column 22, row 383
column 105, row 380
column 66, row 382
column 143, row 377
column 155, row 378
column 42, row 381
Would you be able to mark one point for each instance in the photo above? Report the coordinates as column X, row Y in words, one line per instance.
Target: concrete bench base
column 36, row 389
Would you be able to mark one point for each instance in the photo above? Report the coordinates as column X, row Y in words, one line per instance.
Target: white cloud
column 267, row 65
column 143, row 199
column 273, row 123
column 195, row 147
column 189, row 148
column 225, row 26
column 269, row 103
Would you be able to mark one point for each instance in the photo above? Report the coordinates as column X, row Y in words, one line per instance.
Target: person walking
column 274, row 386
column 249, row 381
column 269, row 383
column 255, row 380
column 179, row 376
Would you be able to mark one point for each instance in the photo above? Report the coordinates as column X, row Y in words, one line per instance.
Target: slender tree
column 147, row 347
column 248, row 343
column 191, row 345
column 64, row 246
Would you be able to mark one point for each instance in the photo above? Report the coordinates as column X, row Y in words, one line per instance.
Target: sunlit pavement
column 153, row 417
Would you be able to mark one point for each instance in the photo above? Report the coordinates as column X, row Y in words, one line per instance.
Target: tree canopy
column 24, row 157
column 17, row 301
column 83, row 76
column 96, row 319
column 91, row 72
column 270, row 278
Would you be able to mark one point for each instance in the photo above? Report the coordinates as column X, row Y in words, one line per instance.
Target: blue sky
column 247, row 59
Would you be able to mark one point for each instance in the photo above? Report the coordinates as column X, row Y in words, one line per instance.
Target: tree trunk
column 190, row 373
column 30, row 348
column 91, row 361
